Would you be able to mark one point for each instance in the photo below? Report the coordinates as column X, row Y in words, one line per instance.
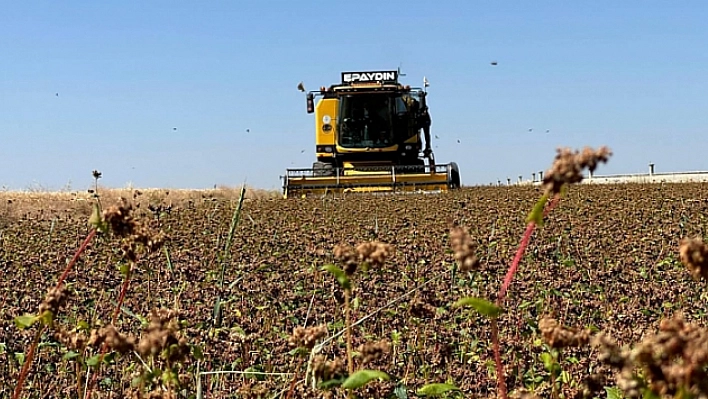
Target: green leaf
column 130, row 313
column 299, row 351
column 70, row 355
column 124, row 269
column 82, row 325
column 93, row 360
column 339, row 275
column 197, row 352
column 649, row 394
column 536, row 215
column 20, row 357
column 547, row 360
column 401, row 392
column 329, row 384
column 46, row 317
column 255, row 373
column 109, row 357
column 481, row 305
column 363, row 377
column 97, row 221
column 25, row 321
column 613, row 393
column 436, row 389
column 217, row 312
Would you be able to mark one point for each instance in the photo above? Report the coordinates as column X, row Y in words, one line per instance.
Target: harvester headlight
column 403, row 154
column 409, row 147
column 328, row 149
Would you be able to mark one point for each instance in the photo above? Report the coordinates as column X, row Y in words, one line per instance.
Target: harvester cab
column 368, row 139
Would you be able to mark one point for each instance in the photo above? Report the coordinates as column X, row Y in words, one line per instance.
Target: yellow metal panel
column 413, row 139
column 327, row 107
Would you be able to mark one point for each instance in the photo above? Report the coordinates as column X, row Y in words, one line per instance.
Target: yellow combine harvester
column 368, row 139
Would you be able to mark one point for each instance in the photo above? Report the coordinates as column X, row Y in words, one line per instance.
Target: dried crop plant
column 330, row 374
column 567, row 169
column 160, row 339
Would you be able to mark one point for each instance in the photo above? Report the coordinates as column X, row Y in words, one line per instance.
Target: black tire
column 454, row 176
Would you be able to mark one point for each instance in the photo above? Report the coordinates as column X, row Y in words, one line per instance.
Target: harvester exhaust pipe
column 425, row 122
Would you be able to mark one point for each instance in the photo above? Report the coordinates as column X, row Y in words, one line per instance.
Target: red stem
column 517, row 259
column 81, row 249
column 522, row 248
column 33, row 347
column 501, row 380
column 104, row 347
column 525, row 239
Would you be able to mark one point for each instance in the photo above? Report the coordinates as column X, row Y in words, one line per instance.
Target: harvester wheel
column 454, row 176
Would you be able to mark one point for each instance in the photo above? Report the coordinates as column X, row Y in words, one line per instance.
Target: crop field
column 173, row 290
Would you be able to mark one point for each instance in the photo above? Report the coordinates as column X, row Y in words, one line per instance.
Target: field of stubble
column 607, row 258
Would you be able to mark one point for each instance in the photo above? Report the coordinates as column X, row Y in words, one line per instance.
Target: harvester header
column 368, row 139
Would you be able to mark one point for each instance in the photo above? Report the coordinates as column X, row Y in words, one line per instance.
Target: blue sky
column 628, row 74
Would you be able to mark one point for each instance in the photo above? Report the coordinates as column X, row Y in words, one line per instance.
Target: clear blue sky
column 628, row 74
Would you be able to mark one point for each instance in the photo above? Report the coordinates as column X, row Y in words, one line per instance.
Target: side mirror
column 310, row 103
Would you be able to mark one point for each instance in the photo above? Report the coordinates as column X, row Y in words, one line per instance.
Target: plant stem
column 33, row 347
column 294, row 380
column 347, row 317
column 78, row 379
column 28, row 361
column 104, row 347
column 78, row 253
column 525, row 239
column 501, row 381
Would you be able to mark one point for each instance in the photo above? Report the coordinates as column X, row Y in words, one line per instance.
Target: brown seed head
column 464, row 248
column 54, row 301
column 673, row 359
column 374, row 253
column 557, row 336
column 306, row 337
column 609, row 352
column 74, row 340
column 121, row 343
column 374, row 351
column 347, row 257
column 132, row 231
column 325, row 370
column 568, row 166
column 162, row 335
column 694, row 255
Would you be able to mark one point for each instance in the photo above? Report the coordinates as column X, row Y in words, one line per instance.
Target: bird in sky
column 458, row 140
column 494, row 63
column 248, row 130
column 174, row 128
column 301, row 87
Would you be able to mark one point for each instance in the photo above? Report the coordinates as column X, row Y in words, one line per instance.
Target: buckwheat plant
column 567, row 169
column 352, row 260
